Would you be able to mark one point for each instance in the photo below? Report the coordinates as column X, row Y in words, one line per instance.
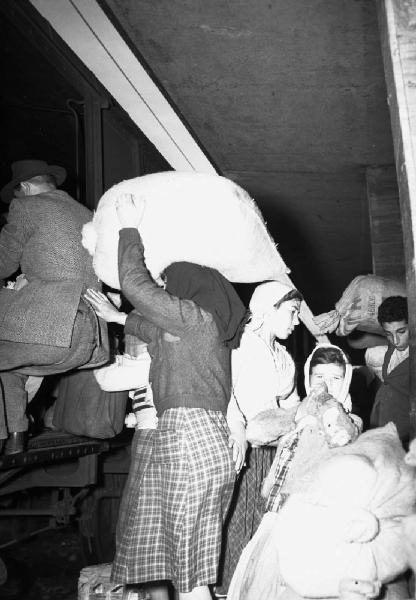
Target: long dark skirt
column 246, row 511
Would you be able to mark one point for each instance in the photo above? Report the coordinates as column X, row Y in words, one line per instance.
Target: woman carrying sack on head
column 174, row 532
column 264, row 378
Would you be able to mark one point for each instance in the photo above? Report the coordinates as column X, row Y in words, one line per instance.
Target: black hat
column 22, row 170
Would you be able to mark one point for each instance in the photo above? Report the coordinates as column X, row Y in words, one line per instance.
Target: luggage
column 358, row 305
column 83, row 408
column 94, row 584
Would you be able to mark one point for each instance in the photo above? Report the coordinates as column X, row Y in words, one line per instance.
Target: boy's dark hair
column 393, row 308
column 292, row 295
column 327, row 356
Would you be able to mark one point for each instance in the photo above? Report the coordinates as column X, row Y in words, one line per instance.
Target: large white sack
column 345, row 521
column 348, row 523
column 195, row 217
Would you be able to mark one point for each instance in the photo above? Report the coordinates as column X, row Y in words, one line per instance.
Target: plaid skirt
column 178, row 493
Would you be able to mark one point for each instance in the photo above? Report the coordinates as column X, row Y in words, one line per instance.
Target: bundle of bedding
column 201, row 218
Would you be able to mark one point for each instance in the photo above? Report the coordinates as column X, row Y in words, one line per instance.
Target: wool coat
column 43, row 237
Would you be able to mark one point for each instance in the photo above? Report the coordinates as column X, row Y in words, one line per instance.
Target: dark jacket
column 191, row 366
column 392, row 402
column 43, row 237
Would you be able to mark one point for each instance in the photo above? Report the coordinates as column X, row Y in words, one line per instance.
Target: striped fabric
column 173, row 512
column 276, row 499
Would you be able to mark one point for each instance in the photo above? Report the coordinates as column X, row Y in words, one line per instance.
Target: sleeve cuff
column 132, row 323
column 129, row 234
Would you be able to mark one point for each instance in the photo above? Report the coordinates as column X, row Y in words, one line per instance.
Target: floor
column 45, row 567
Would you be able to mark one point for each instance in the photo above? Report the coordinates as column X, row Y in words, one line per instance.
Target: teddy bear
column 319, row 408
column 331, row 418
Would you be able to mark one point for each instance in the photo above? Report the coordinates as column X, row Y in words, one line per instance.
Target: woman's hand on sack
column 21, row 281
column 129, row 214
column 303, row 417
column 237, row 441
column 356, row 589
column 103, row 307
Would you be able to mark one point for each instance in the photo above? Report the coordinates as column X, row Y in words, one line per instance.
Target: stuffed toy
column 195, row 217
column 329, row 415
column 319, row 410
column 344, row 524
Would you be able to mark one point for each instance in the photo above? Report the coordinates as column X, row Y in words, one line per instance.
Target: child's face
column 330, row 374
column 397, row 333
column 283, row 320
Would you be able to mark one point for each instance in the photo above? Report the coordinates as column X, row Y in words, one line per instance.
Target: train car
column 308, row 105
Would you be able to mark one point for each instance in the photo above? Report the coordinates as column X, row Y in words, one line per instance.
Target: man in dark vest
column 46, row 327
column 392, row 402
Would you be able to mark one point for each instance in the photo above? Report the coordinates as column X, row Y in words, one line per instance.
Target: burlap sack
column 358, row 305
column 195, row 217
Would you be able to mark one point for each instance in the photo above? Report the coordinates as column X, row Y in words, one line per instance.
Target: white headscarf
column 264, row 297
column 344, row 397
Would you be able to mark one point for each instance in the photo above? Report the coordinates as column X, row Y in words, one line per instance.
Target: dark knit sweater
column 190, row 366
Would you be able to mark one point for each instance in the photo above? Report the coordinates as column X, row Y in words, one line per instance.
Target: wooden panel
column 120, row 150
column 385, row 222
column 398, row 41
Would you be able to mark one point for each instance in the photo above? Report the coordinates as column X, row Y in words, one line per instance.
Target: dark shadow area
column 299, row 255
column 37, row 117
column 45, row 567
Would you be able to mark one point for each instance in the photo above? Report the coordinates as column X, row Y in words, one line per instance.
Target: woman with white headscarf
column 263, row 378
